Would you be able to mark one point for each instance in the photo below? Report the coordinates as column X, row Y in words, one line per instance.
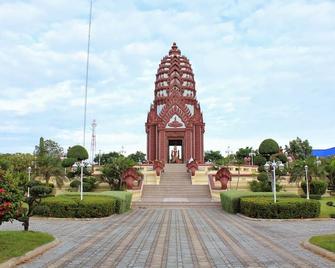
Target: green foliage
column 137, row 157
column 259, row 160
column 213, row 156
column 263, row 184
column 243, row 152
column 49, row 161
column 280, row 157
column 68, row 162
column 268, row 147
column 10, row 200
column 329, row 165
column 77, row 152
column 316, row 187
column 48, row 147
column 107, row 158
column 112, row 172
column 299, row 149
column 17, row 243
column 70, row 206
column 89, row 183
column 16, row 166
column 37, row 192
column 285, row 208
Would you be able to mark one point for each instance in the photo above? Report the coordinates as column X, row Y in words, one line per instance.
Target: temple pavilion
column 175, row 127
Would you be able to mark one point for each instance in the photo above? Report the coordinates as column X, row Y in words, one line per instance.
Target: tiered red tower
column 175, row 118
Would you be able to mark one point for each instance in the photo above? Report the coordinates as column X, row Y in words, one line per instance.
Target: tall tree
column 107, row 157
column 49, row 161
column 213, row 156
column 243, row 152
column 299, row 149
column 49, row 147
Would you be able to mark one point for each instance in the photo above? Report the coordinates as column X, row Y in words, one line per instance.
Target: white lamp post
column 273, row 165
column 307, row 182
column 29, row 172
column 252, row 154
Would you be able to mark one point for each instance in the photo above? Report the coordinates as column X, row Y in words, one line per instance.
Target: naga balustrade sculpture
column 130, row 176
column 192, row 167
column 158, row 167
column 223, row 175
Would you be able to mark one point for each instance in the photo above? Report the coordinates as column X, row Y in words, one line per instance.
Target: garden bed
column 284, row 208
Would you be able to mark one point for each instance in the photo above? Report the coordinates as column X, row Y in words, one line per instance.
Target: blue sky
column 262, row 69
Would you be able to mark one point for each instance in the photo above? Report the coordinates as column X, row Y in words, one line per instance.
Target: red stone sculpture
column 131, row 175
column 192, row 167
column 175, row 117
column 223, row 175
column 158, row 167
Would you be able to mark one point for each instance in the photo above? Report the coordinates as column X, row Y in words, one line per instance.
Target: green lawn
column 17, row 243
column 324, row 241
column 326, row 210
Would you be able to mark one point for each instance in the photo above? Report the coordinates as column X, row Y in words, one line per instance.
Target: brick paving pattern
column 178, row 237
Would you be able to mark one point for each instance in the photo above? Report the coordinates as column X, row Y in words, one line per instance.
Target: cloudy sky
column 263, row 69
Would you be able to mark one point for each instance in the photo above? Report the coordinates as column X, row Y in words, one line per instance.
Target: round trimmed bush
column 285, row 208
column 268, row 147
column 75, row 184
column 68, row 162
column 77, row 152
column 316, row 187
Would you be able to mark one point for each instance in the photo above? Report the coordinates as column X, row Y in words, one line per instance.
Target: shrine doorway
column 175, row 151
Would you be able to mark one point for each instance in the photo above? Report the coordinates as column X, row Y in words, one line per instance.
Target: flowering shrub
column 10, row 200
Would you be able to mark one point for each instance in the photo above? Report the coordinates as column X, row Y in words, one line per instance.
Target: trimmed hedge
column 123, row 199
column 285, row 208
column 71, row 207
column 230, row 200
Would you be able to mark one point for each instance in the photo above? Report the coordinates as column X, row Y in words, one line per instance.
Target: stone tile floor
column 178, row 237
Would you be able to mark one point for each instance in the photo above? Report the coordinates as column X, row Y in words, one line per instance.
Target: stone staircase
column 175, row 190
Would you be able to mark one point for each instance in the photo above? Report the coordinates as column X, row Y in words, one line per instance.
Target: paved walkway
column 192, row 237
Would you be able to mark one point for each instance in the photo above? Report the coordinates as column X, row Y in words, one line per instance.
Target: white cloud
column 262, row 68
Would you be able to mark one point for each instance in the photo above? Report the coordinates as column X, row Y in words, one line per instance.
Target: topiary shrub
column 68, row 162
column 316, row 187
column 268, row 147
column 75, row 184
column 262, row 184
column 259, row 160
column 77, row 152
column 89, row 183
column 285, row 208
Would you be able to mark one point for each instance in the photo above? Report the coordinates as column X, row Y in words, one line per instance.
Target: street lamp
column 252, row 154
column 81, row 165
column 272, row 166
column 29, row 172
column 307, row 182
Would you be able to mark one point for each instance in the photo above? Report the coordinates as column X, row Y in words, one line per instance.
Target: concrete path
column 190, row 237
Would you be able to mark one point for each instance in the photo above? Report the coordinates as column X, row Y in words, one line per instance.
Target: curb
column 283, row 220
column 13, row 262
column 318, row 250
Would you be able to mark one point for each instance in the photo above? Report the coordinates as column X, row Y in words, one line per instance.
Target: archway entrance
column 175, row 151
